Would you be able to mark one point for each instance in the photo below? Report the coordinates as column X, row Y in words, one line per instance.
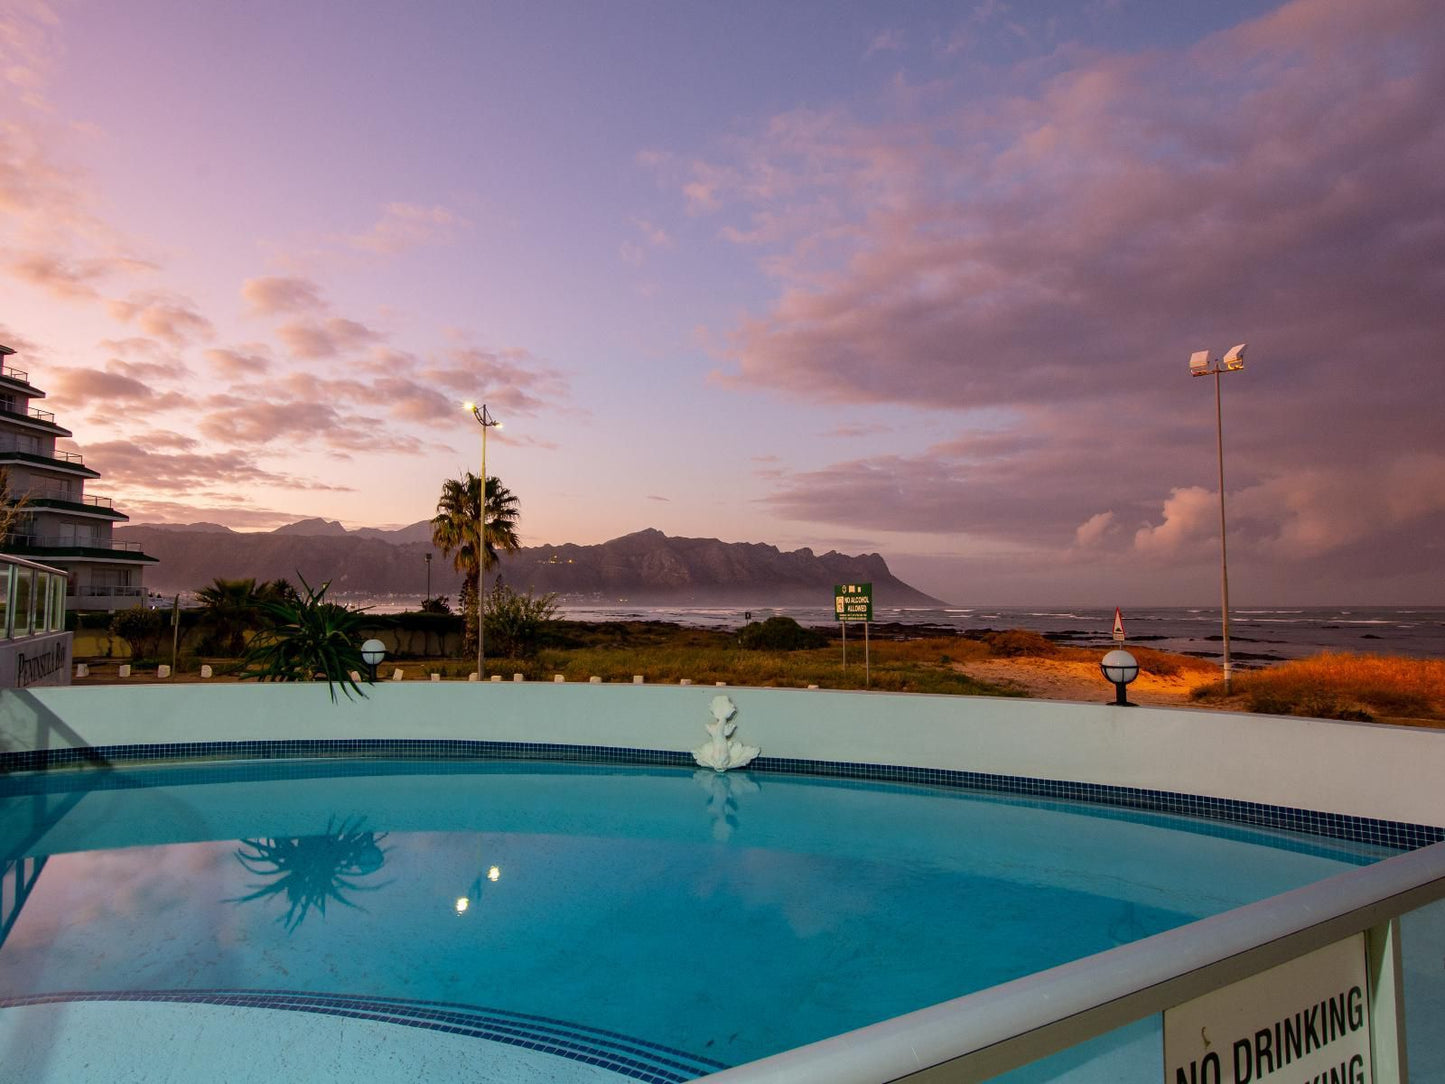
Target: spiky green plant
column 308, row 637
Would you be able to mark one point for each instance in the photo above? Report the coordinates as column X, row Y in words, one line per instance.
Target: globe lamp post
column 372, row 652
column 1120, row 668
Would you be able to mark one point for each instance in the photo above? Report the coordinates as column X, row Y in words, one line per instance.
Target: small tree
column 779, row 634
column 514, row 622
column 141, row 628
column 309, row 636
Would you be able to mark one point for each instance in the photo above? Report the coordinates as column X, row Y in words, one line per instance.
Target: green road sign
column 853, row 601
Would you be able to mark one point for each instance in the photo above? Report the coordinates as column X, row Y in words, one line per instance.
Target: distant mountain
column 645, row 568
column 329, row 527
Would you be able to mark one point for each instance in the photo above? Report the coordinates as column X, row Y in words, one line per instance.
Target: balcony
column 60, row 501
column 101, row 591
column 36, row 417
column 12, row 373
column 23, row 451
column 61, row 548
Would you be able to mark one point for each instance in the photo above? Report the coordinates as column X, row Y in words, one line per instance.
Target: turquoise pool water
column 686, row 919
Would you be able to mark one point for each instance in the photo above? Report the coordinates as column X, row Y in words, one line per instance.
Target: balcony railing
column 13, row 445
column 42, row 415
column 55, row 541
column 57, row 493
column 15, row 374
column 102, row 591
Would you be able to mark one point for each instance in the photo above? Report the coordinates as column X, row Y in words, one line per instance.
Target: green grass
column 705, row 657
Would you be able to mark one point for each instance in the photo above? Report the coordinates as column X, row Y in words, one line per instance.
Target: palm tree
column 454, row 532
column 230, row 608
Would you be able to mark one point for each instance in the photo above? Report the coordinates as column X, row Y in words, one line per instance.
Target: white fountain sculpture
column 722, row 753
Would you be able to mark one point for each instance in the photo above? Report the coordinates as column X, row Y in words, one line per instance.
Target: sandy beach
column 1075, row 679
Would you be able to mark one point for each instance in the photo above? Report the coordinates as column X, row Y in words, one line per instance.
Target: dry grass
column 1343, row 686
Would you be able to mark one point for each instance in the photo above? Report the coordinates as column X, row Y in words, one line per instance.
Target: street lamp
column 1201, row 365
column 427, row 557
column 486, row 421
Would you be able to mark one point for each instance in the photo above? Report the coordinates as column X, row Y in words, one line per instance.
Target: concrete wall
column 1362, row 769
column 31, row 661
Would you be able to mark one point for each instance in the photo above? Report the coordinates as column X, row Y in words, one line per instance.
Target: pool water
column 683, row 918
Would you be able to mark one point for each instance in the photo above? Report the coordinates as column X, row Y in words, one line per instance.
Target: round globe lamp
column 373, row 651
column 1120, row 668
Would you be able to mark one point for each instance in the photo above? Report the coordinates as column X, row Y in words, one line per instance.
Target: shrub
column 1343, row 686
column 141, row 628
column 309, row 636
column 779, row 634
column 1016, row 643
column 436, row 605
column 514, row 623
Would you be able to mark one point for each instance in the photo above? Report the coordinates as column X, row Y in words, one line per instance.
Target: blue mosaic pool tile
column 638, row 1059
column 1391, row 834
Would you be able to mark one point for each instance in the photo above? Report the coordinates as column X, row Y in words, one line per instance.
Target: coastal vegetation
column 525, row 637
column 1337, row 685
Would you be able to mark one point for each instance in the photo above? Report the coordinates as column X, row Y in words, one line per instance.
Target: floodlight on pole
column 1201, row 365
column 486, row 421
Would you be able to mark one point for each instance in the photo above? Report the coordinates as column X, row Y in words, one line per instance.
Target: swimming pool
column 649, row 921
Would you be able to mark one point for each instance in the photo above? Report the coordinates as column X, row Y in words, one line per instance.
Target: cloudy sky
column 920, row 279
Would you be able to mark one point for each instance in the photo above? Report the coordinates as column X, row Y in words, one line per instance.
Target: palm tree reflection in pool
column 311, row 870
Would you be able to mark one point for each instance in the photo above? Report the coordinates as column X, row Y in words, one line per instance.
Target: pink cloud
column 272, row 294
column 70, row 279
column 239, row 364
column 408, row 225
column 165, row 316
column 142, row 464
column 313, row 339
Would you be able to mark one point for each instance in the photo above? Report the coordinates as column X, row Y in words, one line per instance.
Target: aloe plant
column 308, row 637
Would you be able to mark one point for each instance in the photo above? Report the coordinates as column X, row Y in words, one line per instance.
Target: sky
column 917, row 279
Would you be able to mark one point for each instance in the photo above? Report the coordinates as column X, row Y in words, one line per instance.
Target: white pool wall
column 1360, row 769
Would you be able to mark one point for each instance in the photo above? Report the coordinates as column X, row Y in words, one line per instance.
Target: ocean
column 1256, row 636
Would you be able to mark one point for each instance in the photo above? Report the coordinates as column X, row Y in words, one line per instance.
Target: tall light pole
column 486, row 421
column 1201, row 365
column 427, row 597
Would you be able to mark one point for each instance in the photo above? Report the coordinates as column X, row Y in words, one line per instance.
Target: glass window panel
column 24, row 600
column 5, row 570
column 58, row 586
column 1422, row 946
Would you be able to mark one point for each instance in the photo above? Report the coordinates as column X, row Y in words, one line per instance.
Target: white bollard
column 82, row 670
column 396, row 675
column 163, row 670
column 474, row 676
column 518, row 677
column 558, row 678
column 435, row 676
column 123, row 670
column 206, row 672
column 496, row 677
column 594, row 680
column 354, row 675
column 637, row 679
column 685, row 681
column 812, row 686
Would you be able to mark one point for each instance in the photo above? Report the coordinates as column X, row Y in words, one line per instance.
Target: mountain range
column 644, row 568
